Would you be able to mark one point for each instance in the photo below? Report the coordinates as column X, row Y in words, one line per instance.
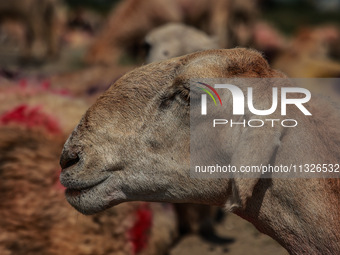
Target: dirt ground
column 237, row 237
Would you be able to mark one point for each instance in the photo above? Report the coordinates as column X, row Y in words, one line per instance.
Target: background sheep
column 90, row 82
column 309, row 54
column 175, row 39
column 52, row 102
column 35, row 217
column 42, row 22
column 229, row 20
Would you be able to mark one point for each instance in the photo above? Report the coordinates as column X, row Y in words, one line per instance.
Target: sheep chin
column 89, row 200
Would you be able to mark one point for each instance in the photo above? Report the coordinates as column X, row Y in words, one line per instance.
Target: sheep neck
column 301, row 223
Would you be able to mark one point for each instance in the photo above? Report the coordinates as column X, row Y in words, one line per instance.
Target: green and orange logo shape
column 209, row 93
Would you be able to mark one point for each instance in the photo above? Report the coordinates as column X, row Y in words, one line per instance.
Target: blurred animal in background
column 12, row 35
column 311, row 54
column 241, row 18
column 34, row 96
column 90, row 82
column 230, row 21
column 269, row 40
column 42, row 23
column 34, row 215
column 175, row 39
column 126, row 27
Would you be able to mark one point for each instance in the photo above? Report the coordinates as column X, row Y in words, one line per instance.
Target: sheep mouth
column 90, row 199
column 72, row 192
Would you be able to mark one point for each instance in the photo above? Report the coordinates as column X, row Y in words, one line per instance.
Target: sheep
column 53, row 102
column 43, row 21
column 174, row 40
column 269, row 40
column 230, row 21
column 133, row 144
column 89, row 82
column 308, row 54
column 84, row 84
column 34, row 216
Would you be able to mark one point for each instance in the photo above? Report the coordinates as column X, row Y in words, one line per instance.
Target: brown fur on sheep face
column 133, row 144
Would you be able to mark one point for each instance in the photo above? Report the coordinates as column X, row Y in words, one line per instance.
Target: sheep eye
column 180, row 95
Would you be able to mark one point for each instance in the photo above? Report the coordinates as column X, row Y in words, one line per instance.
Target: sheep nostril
column 68, row 160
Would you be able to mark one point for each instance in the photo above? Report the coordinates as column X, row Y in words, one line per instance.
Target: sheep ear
column 256, row 147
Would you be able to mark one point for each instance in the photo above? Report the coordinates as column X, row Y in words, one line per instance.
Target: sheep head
column 134, row 142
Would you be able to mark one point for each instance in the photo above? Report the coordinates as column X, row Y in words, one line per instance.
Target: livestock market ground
column 240, row 238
